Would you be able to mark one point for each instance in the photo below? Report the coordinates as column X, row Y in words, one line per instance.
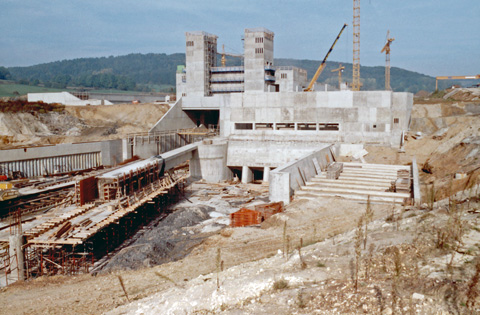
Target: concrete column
column 15, row 249
column 266, row 174
column 247, row 175
column 280, row 187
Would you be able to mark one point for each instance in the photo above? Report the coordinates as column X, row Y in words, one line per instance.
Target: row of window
column 258, row 40
column 259, row 50
column 283, row 75
column 190, row 43
column 288, row 126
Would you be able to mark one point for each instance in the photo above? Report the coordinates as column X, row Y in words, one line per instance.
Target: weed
column 303, row 265
column 280, row 284
column 359, row 239
column 219, row 266
column 284, row 238
column 473, row 292
column 321, row 264
column 123, row 287
column 301, row 303
column 165, row 278
column 368, row 218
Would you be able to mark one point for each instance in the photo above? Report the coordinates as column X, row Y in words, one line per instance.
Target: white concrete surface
column 64, row 98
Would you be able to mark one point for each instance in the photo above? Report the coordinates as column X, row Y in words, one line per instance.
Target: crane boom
column 455, row 77
column 323, row 64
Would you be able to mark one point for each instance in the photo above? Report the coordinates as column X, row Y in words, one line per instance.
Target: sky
column 433, row 37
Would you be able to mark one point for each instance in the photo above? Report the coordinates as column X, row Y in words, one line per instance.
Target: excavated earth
column 78, row 124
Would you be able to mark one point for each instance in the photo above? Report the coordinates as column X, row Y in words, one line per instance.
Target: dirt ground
column 85, row 294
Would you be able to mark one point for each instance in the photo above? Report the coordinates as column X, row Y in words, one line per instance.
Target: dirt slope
column 78, row 124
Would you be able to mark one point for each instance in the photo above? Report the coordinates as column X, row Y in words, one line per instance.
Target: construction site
column 253, row 176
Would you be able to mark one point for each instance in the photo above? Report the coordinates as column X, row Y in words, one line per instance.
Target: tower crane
column 323, row 64
column 223, row 60
column 356, row 47
column 386, row 49
column 466, row 77
column 339, row 70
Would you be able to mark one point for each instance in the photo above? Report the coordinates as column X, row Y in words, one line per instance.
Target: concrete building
column 265, row 118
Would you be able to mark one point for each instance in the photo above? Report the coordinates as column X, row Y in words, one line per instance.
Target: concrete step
column 375, row 166
column 356, row 181
column 362, row 178
column 355, row 192
column 369, row 172
column 375, row 199
column 360, row 185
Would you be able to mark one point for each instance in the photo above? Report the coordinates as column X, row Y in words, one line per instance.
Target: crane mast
column 356, row 47
column 386, row 49
column 339, row 70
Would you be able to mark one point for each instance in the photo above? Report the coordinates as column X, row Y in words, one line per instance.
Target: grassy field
column 8, row 89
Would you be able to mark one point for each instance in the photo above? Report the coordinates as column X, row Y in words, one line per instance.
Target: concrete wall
column 128, row 98
column 201, row 54
column 211, row 163
column 64, row 98
column 36, row 161
column 289, row 177
column 174, row 119
column 270, row 151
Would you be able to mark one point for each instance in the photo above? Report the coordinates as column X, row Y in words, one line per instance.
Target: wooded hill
column 146, row 71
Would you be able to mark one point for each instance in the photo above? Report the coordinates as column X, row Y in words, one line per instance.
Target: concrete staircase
column 357, row 182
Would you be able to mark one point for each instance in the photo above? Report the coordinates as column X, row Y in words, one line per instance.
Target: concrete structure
column 291, row 79
column 44, row 160
column 266, row 117
column 64, row 98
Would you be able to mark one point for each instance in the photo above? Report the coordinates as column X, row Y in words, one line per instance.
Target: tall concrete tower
column 259, row 71
column 201, row 55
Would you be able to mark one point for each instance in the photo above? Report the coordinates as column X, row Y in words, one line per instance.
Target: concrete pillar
column 247, row 175
column 266, row 174
column 211, row 161
column 15, row 249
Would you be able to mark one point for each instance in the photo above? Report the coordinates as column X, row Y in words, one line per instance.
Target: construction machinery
column 386, row 49
column 7, row 191
column 356, row 84
column 323, row 64
column 224, row 60
column 466, row 77
column 340, row 69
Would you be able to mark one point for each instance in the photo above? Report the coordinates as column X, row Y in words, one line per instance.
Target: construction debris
column 246, row 217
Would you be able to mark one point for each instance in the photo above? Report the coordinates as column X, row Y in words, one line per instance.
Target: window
column 263, row 126
column 396, row 120
column 184, row 94
column 307, row 126
column 190, row 43
column 374, row 126
column 243, row 126
column 285, row 126
column 328, row 127
column 259, row 50
column 258, row 40
column 283, row 75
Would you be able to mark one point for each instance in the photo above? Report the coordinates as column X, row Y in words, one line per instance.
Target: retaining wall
column 290, row 177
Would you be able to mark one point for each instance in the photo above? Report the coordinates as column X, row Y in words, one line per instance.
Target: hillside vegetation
column 157, row 71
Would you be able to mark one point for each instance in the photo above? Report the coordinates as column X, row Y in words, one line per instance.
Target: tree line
column 142, row 71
